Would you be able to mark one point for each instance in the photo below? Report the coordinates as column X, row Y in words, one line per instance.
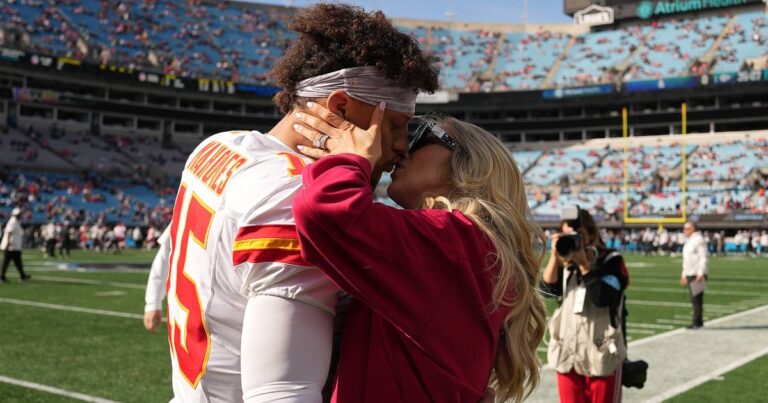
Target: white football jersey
column 232, row 237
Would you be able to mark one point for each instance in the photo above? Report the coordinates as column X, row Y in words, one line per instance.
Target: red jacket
column 421, row 328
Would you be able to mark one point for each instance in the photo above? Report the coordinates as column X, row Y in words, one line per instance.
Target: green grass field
column 93, row 353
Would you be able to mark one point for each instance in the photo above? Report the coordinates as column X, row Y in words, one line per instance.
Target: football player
column 248, row 319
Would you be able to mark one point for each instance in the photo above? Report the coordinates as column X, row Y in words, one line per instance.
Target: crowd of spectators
column 58, row 238
column 661, row 241
column 594, row 56
column 524, row 61
column 87, row 198
column 240, row 42
column 39, row 26
column 675, row 47
column 723, row 177
column 746, row 38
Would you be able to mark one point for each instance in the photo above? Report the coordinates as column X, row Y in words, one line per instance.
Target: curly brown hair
column 335, row 36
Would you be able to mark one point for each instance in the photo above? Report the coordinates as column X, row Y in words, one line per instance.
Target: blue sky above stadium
column 498, row 11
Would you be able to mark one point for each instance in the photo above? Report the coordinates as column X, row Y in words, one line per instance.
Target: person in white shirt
column 158, row 275
column 119, row 232
column 13, row 235
column 138, row 237
column 695, row 271
column 764, row 243
column 49, row 234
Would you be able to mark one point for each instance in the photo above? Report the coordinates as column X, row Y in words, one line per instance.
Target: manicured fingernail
column 301, row 148
column 298, row 115
column 382, row 105
column 310, row 104
column 297, row 127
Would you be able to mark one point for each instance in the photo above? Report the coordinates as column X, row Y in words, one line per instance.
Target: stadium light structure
column 683, row 218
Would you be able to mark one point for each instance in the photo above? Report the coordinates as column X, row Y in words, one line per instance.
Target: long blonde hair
column 489, row 190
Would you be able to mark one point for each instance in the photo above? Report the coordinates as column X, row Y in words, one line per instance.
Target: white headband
column 366, row 84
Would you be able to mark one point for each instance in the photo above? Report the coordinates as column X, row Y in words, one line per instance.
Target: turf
column 19, row 394
column 745, row 384
column 115, row 358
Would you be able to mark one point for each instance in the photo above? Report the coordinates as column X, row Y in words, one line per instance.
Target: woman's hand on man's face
column 343, row 136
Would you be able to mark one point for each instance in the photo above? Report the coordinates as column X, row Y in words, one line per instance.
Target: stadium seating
column 590, row 175
column 718, row 172
column 590, row 60
column 729, row 161
column 556, row 163
column 252, row 39
column 747, row 38
column 676, row 44
column 49, row 32
column 462, row 54
column 21, row 151
column 74, row 198
column 525, row 60
column 526, row 158
column 241, row 42
column 643, row 162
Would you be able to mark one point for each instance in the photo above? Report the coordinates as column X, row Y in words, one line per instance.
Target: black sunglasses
column 430, row 132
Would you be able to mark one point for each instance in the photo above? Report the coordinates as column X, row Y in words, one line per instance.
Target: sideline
column 54, row 391
column 682, row 359
column 707, row 377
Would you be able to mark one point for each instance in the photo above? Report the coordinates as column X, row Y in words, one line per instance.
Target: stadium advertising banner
column 207, row 85
column 259, row 90
column 740, row 77
column 591, row 90
column 11, row 55
column 653, row 9
column 669, row 83
column 594, row 15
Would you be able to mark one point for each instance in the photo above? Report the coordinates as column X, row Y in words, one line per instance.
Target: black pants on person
column 698, row 303
column 66, row 246
column 50, row 247
column 14, row 255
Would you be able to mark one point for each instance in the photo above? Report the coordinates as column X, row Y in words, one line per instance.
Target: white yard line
column 115, row 293
column 683, row 291
column 54, row 391
column 708, row 377
column 677, row 360
column 711, row 322
column 712, row 307
column 90, row 282
column 641, row 331
column 716, row 283
column 72, row 308
column 649, row 326
column 674, row 321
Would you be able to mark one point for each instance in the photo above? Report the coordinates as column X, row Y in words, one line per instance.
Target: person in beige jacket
column 587, row 345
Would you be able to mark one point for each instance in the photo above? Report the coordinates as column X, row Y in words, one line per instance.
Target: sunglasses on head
column 430, row 132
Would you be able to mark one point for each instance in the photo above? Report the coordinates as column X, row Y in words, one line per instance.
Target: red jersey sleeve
column 400, row 263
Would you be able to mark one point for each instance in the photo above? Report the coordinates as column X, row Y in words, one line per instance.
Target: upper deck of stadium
column 239, row 42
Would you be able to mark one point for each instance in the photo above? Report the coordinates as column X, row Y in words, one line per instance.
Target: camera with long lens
column 569, row 243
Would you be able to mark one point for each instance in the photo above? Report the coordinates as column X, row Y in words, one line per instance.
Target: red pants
column 575, row 388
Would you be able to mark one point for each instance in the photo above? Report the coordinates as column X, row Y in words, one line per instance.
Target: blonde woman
column 445, row 289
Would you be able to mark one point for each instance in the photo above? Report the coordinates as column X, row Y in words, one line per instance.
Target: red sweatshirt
column 421, row 328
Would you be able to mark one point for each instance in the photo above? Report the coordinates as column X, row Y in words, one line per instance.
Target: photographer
column 587, row 345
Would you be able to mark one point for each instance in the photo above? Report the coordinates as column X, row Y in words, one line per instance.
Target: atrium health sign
column 650, row 9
